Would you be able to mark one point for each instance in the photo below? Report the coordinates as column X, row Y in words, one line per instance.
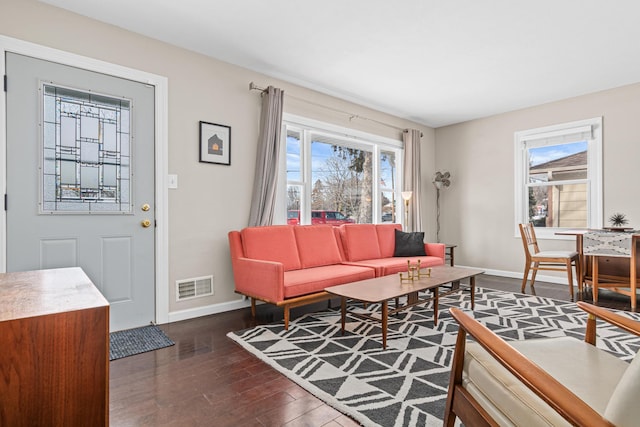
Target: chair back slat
column 529, row 240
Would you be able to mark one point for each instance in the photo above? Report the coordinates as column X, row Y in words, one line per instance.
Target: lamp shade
column 406, row 195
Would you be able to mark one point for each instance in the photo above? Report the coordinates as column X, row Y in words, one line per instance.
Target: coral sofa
column 290, row 266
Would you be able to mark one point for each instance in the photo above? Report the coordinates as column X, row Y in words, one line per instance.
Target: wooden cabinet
column 54, row 350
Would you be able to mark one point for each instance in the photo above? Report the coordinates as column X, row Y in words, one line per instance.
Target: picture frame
column 215, row 143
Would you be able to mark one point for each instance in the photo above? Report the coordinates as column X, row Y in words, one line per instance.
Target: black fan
column 442, row 180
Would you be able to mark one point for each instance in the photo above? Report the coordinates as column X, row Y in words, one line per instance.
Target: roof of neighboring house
column 569, row 162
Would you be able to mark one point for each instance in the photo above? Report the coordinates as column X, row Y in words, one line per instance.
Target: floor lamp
column 406, row 196
column 440, row 180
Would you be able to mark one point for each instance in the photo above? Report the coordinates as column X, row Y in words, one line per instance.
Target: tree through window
column 341, row 174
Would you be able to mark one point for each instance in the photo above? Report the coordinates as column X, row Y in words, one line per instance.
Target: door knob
column 146, row 223
column 145, row 207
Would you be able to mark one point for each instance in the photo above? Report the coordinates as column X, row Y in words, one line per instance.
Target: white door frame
column 8, row 44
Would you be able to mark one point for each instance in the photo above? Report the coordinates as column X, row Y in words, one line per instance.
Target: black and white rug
column 406, row 384
column 136, row 341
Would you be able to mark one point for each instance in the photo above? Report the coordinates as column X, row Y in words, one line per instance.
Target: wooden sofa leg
column 286, row 317
column 253, row 307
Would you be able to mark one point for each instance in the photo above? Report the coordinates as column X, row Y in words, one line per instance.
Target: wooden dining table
column 612, row 267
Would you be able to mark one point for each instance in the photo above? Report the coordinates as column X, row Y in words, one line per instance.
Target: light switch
column 173, row 181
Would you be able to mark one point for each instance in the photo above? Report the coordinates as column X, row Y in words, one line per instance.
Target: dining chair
column 547, row 260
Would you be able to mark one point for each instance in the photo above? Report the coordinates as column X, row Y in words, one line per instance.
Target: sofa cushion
column 387, row 238
column 399, row 264
column 273, row 243
column 394, row 265
column 317, row 245
column 409, row 244
column 336, row 232
column 360, row 241
column 315, row 279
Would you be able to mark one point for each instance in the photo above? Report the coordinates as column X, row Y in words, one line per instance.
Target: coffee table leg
column 385, row 318
column 343, row 311
column 472, row 285
column 435, row 306
column 412, row 298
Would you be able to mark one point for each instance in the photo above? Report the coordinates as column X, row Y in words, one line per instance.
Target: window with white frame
column 337, row 175
column 558, row 176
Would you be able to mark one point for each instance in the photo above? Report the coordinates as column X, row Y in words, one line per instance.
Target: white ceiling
column 435, row 62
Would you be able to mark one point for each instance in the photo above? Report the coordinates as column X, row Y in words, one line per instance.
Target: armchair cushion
column 409, row 244
column 576, row 364
column 623, row 409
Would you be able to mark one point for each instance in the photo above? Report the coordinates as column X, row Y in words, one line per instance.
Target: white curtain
column 265, row 182
column 411, row 179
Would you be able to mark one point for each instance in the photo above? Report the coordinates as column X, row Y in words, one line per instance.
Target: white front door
column 80, row 180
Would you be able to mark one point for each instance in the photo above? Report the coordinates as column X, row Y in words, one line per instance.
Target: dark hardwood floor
column 208, row 380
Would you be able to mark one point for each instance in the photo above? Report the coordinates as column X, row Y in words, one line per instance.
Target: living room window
column 558, row 174
column 338, row 175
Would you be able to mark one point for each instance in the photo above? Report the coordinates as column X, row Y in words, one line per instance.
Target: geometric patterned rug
column 406, row 384
column 136, row 341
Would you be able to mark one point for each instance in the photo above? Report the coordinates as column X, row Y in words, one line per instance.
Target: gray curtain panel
column 265, row 182
column 411, row 180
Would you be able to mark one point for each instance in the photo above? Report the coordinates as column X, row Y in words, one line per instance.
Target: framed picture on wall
column 215, row 143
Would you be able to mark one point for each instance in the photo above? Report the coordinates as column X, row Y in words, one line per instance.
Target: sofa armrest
column 260, row 279
column 435, row 249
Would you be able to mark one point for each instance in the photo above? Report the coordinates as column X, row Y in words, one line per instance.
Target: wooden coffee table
column 383, row 289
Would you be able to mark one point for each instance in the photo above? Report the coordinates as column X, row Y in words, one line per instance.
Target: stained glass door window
column 86, row 155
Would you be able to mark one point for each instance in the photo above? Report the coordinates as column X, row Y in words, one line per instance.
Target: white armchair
column 549, row 381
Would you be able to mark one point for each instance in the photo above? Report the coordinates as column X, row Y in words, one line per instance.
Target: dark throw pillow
column 409, row 244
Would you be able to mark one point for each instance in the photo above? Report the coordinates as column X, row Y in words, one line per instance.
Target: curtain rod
column 253, row 86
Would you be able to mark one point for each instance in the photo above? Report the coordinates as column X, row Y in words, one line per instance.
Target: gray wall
column 478, row 208
column 211, row 199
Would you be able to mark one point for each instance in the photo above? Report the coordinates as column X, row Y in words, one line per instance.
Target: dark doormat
column 136, row 341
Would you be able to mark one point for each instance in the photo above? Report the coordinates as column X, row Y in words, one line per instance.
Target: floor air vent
column 194, row 288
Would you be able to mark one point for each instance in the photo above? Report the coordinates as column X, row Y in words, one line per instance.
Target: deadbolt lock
column 145, row 207
column 146, row 223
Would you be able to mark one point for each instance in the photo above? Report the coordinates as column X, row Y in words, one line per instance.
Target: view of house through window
column 558, row 175
column 558, row 185
column 335, row 179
